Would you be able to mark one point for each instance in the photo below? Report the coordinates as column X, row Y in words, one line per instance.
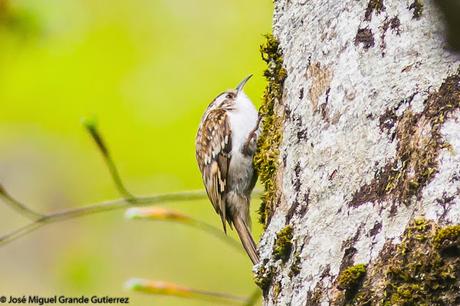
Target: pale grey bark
column 346, row 69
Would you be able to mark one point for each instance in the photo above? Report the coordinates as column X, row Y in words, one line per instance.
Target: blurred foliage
column 146, row 70
column 17, row 20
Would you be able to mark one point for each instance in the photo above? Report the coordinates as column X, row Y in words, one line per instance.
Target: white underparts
column 243, row 120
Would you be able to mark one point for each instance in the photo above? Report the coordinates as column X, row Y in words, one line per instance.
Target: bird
column 226, row 142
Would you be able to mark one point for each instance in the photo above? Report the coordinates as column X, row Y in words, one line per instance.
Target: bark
column 363, row 173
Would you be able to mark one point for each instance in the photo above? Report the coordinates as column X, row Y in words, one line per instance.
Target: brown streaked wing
column 213, row 147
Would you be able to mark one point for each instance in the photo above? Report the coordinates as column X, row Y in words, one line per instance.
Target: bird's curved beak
column 240, row 86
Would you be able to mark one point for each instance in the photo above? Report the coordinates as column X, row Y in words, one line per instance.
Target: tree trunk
column 359, row 155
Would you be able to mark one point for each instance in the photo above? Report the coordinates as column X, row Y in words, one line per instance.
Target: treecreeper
column 225, row 145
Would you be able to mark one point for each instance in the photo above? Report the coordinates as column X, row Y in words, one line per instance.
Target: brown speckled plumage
column 213, row 147
column 225, row 145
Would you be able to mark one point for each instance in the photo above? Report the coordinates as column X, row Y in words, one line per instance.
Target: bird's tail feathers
column 246, row 238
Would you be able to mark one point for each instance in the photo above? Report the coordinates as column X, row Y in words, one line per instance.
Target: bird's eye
column 229, row 96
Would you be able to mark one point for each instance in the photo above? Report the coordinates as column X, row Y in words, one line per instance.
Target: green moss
column 417, row 272
column 419, row 144
column 417, row 6
column 374, row 6
column 266, row 158
column 283, row 244
column 314, row 297
column 448, row 237
column 296, row 265
column 418, row 150
column 349, row 278
column 263, row 277
column 417, row 156
column 276, row 290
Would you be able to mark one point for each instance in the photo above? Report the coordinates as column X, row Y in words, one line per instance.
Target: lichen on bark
column 396, row 108
column 424, row 269
column 266, row 159
column 419, row 144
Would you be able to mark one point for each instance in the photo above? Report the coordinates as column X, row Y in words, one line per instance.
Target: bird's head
column 229, row 97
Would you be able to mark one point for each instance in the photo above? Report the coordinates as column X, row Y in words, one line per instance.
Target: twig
column 165, row 214
column 18, row 206
column 71, row 213
column 91, row 127
column 171, row 289
column 18, row 233
column 129, row 200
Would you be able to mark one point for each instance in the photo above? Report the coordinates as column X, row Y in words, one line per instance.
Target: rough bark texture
column 364, row 177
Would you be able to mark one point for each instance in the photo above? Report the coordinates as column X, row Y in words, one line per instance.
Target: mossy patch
column 376, row 6
column 419, row 144
column 283, row 244
column 266, row 159
column 447, row 240
column 263, row 277
column 417, row 6
column 296, row 265
column 350, row 279
column 315, row 296
column 276, row 290
column 418, row 150
column 416, row 272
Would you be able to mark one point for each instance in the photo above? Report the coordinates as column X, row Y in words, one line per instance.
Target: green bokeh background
column 147, row 70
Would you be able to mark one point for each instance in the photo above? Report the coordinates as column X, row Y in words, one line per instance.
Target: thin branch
column 172, row 289
column 18, row 206
column 129, row 200
column 20, row 232
column 170, row 215
column 91, row 127
column 65, row 214
column 71, row 213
